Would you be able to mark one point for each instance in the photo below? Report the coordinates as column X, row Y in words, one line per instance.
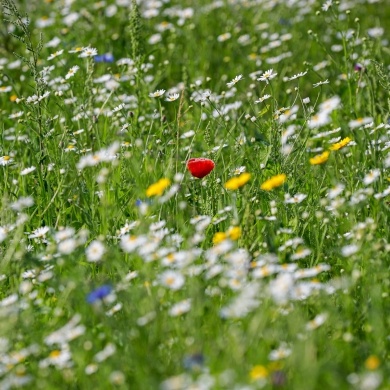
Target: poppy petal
column 200, row 167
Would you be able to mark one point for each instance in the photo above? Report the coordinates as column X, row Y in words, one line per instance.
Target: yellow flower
column 372, row 362
column 320, row 158
column 236, row 182
column 219, row 237
column 340, row 144
column 273, row 182
column 234, row 233
column 158, row 188
column 258, row 372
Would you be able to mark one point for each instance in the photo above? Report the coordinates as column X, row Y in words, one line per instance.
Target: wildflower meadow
column 195, row 194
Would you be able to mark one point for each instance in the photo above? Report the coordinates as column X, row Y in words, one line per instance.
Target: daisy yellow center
column 265, row 271
column 54, row 354
column 171, row 257
column 372, row 362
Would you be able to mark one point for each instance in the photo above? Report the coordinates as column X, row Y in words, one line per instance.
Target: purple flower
column 278, row 379
column 358, row 67
column 99, row 294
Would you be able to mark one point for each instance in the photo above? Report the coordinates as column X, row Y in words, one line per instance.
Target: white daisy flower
column 40, row 232
column 172, row 279
column 320, row 83
column 88, row 52
column 72, row 71
column 267, row 76
column 180, row 308
column 235, row 80
column 371, row 176
column 95, row 251
column 26, row 171
column 157, row 93
column 265, row 97
column 54, row 55
column 172, row 97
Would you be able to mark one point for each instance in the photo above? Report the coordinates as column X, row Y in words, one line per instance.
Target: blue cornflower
column 194, row 362
column 140, row 202
column 99, row 294
column 107, row 57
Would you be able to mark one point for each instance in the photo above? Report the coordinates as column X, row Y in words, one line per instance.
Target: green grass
column 200, row 286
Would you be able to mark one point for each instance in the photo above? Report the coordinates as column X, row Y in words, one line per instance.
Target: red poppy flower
column 200, row 167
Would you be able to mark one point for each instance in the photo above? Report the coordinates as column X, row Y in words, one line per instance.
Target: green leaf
column 264, row 110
